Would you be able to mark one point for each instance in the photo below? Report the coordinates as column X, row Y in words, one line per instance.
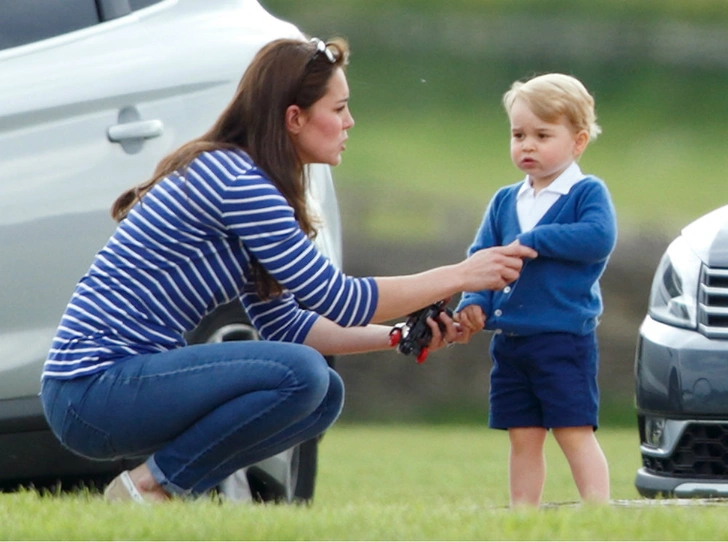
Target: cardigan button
column 507, row 290
column 498, row 312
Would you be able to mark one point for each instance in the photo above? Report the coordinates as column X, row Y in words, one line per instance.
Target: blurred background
column 430, row 147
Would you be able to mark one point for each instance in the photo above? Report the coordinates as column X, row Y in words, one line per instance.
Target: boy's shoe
column 122, row 488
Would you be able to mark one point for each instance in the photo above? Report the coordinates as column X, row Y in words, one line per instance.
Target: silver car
column 681, row 367
column 92, row 95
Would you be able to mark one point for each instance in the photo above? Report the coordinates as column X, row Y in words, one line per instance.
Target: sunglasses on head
column 321, row 49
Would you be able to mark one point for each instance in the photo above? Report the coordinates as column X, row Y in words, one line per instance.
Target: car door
column 93, row 93
column 88, row 106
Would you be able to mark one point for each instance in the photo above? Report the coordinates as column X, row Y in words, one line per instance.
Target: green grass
column 389, row 483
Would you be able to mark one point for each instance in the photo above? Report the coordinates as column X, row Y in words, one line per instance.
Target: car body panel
column 681, row 372
column 708, row 237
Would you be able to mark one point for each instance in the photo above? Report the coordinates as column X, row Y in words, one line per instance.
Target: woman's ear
column 295, row 119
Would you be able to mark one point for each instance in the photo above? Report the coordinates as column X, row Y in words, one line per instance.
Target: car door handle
column 143, row 129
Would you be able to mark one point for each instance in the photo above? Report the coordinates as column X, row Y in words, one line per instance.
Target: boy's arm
column 482, row 299
column 590, row 239
column 487, row 234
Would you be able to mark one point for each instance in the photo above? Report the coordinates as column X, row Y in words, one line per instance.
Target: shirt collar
column 560, row 185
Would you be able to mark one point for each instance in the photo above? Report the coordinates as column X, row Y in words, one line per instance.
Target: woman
column 223, row 217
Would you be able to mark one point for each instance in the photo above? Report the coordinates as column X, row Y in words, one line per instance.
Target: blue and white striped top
column 182, row 251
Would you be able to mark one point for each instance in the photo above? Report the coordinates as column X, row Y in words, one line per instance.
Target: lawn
column 398, row 482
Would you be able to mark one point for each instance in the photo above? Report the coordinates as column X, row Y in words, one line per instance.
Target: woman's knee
column 335, row 394
column 312, row 378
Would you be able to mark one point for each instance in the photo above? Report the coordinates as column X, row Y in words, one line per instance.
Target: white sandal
column 122, row 488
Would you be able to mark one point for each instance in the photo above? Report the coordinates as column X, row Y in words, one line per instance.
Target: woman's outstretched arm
column 329, row 338
column 488, row 269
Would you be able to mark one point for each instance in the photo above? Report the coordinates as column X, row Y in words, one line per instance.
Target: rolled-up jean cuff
column 162, row 480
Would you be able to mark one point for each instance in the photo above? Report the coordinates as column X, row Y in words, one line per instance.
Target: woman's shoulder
column 229, row 168
column 227, row 161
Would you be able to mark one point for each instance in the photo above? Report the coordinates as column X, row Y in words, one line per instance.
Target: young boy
column 544, row 347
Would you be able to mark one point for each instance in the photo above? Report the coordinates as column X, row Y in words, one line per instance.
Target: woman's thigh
column 144, row 401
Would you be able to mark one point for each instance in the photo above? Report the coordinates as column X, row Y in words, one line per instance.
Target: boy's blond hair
column 552, row 95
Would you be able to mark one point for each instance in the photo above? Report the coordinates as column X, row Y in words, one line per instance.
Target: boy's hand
column 472, row 317
column 471, row 320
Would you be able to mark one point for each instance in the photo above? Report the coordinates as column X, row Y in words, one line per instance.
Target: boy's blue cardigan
column 558, row 290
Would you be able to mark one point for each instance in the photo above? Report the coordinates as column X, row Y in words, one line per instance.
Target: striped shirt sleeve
column 253, row 209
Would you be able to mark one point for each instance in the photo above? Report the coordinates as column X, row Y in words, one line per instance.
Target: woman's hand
column 494, row 268
column 441, row 338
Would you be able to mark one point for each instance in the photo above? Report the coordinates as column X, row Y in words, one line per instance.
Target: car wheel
column 289, row 477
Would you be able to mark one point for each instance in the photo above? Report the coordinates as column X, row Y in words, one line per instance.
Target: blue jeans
column 198, row 413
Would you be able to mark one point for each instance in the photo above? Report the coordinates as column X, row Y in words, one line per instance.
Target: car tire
column 301, row 472
column 292, row 477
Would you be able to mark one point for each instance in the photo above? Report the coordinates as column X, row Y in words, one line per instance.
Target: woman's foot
column 137, row 485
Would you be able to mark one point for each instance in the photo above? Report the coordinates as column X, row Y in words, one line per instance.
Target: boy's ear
column 582, row 140
column 295, row 119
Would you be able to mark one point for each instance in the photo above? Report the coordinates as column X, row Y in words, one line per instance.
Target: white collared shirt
column 531, row 206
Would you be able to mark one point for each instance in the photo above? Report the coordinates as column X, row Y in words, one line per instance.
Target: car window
column 141, row 4
column 26, row 21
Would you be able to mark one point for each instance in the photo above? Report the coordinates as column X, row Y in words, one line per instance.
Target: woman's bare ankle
column 146, row 484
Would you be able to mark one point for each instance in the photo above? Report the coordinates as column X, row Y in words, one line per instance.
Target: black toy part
column 413, row 336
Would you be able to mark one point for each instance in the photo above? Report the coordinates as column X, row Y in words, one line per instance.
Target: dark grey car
column 681, row 367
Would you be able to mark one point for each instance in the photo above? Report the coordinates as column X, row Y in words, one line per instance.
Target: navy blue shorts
column 546, row 380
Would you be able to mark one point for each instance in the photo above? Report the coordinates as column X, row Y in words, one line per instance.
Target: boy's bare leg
column 527, row 469
column 587, row 461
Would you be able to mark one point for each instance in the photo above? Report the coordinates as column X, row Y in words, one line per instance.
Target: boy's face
column 541, row 149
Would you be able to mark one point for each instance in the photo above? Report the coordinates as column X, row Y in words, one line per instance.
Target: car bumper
column 680, row 373
column 682, row 406
column 652, row 485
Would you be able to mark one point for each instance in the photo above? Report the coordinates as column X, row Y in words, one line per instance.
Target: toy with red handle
column 413, row 336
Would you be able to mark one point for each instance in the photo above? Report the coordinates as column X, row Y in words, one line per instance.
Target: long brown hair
column 283, row 73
